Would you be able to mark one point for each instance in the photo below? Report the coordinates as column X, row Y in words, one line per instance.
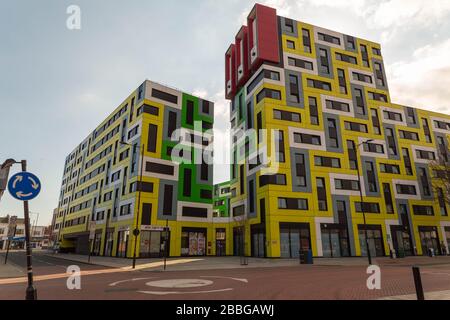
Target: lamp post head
column 8, row 163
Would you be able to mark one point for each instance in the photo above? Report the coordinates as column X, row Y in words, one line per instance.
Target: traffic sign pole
column 31, row 293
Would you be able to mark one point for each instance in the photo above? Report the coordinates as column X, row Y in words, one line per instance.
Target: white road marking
column 162, row 293
column 219, row 277
column 179, row 283
column 123, row 281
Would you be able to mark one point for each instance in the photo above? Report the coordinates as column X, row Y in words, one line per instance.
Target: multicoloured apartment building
column 323, row 99
column 311, row 117
column 104, row 197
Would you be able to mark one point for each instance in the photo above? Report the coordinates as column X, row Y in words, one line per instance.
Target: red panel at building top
column 242, row 57
column 230, row 72
column 264, row 46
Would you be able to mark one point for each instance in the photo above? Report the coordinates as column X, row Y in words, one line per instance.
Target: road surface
column 298, row 282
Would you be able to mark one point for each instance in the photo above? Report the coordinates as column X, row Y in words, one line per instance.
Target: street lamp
column 362, row 202
column 31, row 292
column 136, row 229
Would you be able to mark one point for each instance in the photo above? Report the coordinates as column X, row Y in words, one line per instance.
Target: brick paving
column 307, row 282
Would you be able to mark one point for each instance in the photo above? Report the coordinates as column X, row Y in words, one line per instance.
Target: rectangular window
column 259, row 126
column 194, row 212
column 148, row 109
column 332, row 133
column 290, row 44
column 187, row 182
column 204, row 174
column 377, row 96
column 388, row 198
column 251, row 196
column 390, row 115
column 409, row 135
column 168, row 196
column 205, row 194
column 313, row 113
column 289, row 23
column 249, row 116
column 152, row 137
column 239, row 211
column 442, row 202
column 300, row 170
column 392, row 147
column 426, row 130
column 337, row 105
column 343, row 184
column 293, row 86
column 241, row 179
column 159, row 168
column 300, row 63
column 423, row 210
column 327, row 162
column 292, row 203
column 307, row 139
column 286, row 115
column 190, row 112
column 424, row 181
column 389, row 168
column 364, row 56
column 164, row 96
column 371, row 177
column 407, row 161
column 373, row 147
column 317, row 84
column 360, row 107
column 241, row 105
column 324, row 65
column 354, row 126
column 361, row 77
column 268, row 93
column 379, row 74
column 346, row 58
column 146, row 219
column 329, row 38
column 306, row 40
column 351, row 42
column 205, row 106
column 274, row 179
column 172, row 123
column 369, row 207
column 279, row 147
column 342, row 81
column 426, row 155
column 321, row 194
column 406, row 189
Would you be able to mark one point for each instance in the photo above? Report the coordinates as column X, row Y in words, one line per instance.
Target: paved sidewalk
column 9, row 270
column 179, row 264
column 213, row 263
column 436, row 295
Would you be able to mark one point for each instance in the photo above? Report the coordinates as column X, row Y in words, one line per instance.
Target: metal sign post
column 25, row 186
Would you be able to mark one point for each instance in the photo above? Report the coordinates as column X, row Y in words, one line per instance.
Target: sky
column 57, row 85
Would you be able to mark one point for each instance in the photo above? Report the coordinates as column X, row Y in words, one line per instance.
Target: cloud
column 424, row 80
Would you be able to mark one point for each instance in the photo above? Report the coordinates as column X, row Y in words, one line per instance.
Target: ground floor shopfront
column 273, row 240
column 332, row 240
column 174, row 240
